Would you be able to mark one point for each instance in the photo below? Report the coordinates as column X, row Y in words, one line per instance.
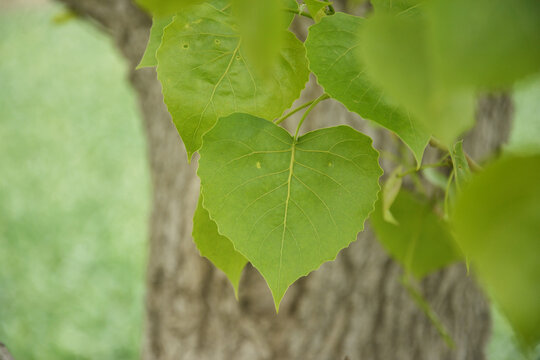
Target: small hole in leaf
column 238, row 57
column 185, row 46
column 217, row 41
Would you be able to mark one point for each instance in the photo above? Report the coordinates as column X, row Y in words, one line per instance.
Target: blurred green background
column 74, row 194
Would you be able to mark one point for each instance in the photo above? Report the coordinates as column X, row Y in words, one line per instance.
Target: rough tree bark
column 352, row 308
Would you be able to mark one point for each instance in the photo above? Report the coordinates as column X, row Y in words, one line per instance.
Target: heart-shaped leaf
column 287, row 205
column 205, row 74
column 332, row 49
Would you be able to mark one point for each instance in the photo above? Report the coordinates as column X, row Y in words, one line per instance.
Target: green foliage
column 287, row 205
column 462, row 172
column 421, row 241
column 410, row 79
column 342, row 74
column 154, row 41
column 484, row 43
column 497, row 224
column 317, row 8
column 166, row 7
column 205, row 73
column 215, row 247
column 415, row 67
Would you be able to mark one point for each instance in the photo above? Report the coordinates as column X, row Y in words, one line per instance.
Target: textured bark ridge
column 354, row 307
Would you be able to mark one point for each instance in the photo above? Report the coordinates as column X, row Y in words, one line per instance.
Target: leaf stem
column 428, row 311
column 298, row 12
column 294, row 111
column 426, row 166
column 313, row 104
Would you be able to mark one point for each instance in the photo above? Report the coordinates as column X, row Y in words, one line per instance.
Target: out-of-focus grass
column 74, row 192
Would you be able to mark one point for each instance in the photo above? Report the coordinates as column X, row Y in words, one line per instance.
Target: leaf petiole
column 442, row 163
column 292, row 112
column 313, row 104
column 299, row 12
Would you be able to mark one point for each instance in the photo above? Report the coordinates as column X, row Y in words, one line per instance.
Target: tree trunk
column 354, row 307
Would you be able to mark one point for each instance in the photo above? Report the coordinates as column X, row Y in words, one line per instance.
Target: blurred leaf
column 170, row 7
column 461, row 165
column 497, row 224
column 205, row 74
column 525, row 135
column 154, row 41
column 331, row 48
column 396, row 56
column 316, row 8
column 421, row 242
column 484, row 43
column 400, row 7
column 288, row 205
column 261, row 24
column 390, row 190
column 216, row 247
column 435, row 178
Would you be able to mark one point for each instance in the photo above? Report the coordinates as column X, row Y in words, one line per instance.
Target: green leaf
column 205, row 74
column 216, row 247
column 397, row 58
column 156, row 33
column 332, row 47
column 526, row 122
column 261, row 24
column 497, row 224
column 462, row 172
column 288, row 206
column 401, row 7
column 421, row 242
column 316, row 8
column 389, row 192
column 484, row 43
column 166, row 7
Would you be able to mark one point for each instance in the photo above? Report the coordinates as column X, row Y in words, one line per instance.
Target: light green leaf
column 484, row 43
column 525, row 135
column 421, row 242
column 401, row 7
column 332, row 48
column 462, row 172
column 390, row 190
column 216, row 247
column 156, row 33
column 397, row 58
column 316, row 8
column 497, row 224
column 166, row 7
column 205, row 74
column 288, row 206
column 261, row 24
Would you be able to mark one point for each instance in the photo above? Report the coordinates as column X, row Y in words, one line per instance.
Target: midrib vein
column 291, row 166
column 217, row 85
